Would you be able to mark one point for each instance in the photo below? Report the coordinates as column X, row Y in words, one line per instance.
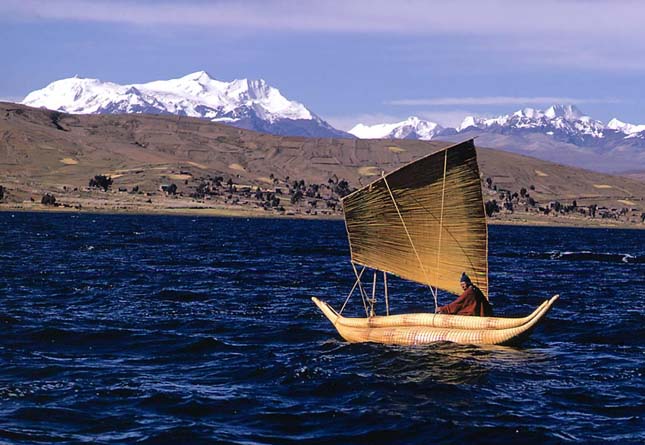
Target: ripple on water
column 123, row 329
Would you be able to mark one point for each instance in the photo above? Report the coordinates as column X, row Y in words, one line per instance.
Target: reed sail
column 424, row 222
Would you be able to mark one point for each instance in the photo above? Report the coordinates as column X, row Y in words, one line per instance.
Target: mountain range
column 243, row 103
column 561, row 133
column 565, row 122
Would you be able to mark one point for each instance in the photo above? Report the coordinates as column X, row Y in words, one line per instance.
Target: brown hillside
column 45, row 151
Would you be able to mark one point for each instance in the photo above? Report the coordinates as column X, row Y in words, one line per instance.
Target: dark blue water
column 141, row 329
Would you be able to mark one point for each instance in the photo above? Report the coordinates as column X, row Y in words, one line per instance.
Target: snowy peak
column 529, row 117
column 252, row 104
column 411, row 128
column 562, row 119
column 471, row 121
column 77, row 95
column 198, row 76
column 567, row 112
column 615, row 124
column 630, row 130
column 564, row 122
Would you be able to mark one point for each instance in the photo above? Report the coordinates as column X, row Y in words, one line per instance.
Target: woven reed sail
column 424, row 222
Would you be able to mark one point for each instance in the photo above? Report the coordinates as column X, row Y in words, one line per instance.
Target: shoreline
column 535, row 221
column 206, row 212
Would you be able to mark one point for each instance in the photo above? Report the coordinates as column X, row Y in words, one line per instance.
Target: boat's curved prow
column 407, row 334
column 517, row 334
column 326, row 309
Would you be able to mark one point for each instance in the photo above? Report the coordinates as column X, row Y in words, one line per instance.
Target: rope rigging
column 443, row 194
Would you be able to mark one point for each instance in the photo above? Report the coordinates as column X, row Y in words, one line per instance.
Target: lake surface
column 156, row 329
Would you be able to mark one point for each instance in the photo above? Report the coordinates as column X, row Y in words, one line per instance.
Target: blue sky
column 348, row 61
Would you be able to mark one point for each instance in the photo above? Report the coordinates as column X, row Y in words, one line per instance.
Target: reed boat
column 424, row 222
column 414, row 329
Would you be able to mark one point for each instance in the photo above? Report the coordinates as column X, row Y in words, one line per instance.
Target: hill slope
column 42, row 150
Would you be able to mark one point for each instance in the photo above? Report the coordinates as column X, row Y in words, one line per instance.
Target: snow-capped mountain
column 561, row 121
column 564, row 120
column 528, row 118
column 251, row 104
column 630, row 130
column 561, row 133
column 411, row 128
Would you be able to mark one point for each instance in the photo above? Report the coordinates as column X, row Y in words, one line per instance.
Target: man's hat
column 465, row 278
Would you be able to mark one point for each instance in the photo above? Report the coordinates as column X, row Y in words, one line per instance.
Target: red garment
column 471, row 302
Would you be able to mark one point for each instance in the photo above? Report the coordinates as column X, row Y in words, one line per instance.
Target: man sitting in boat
column 470, row 302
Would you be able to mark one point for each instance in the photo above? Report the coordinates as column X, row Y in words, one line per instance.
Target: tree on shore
column 296, row 197
column 48, row 200
column 170, row 189
column 101, row 181
column 342, row 188
column 592, row 210
column 491, row 208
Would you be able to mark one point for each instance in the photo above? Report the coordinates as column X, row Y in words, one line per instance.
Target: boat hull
column 416, row 329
